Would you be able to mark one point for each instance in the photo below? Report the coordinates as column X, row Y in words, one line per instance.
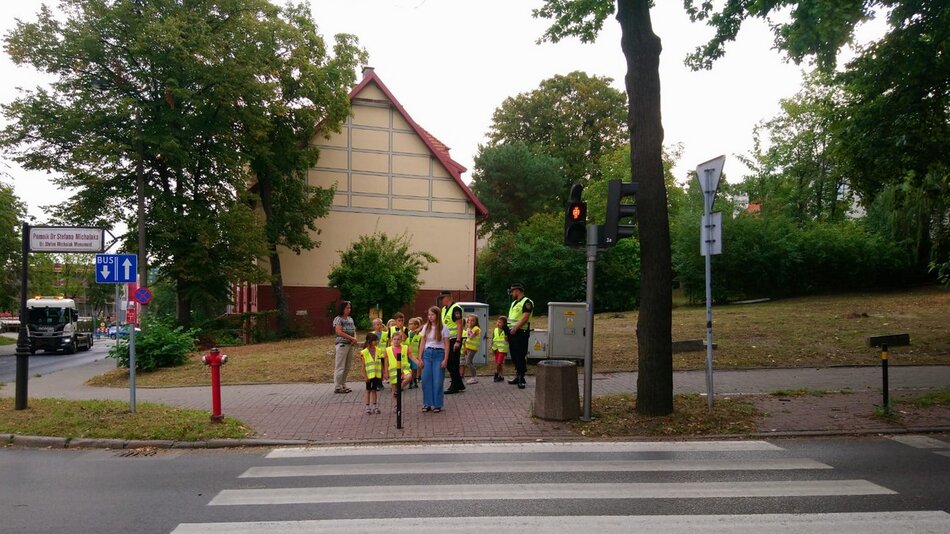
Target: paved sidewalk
column 487, row 410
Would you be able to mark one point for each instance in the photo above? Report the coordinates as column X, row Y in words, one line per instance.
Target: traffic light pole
column 593, row 238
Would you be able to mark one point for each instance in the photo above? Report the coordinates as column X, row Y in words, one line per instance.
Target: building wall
column 388, row 181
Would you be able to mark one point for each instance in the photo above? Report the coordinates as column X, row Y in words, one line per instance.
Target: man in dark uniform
column 452, row 319
column 519, row 328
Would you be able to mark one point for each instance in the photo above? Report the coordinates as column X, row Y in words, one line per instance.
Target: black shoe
column 499, row 378
column 451, row 391
column 514, row 380
column 521, row 385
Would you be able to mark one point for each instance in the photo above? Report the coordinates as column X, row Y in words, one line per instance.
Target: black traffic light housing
column 575, row 219
column 618, row 211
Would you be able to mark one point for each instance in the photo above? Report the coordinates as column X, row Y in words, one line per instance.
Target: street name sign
column 66, row 239
column 116, row 268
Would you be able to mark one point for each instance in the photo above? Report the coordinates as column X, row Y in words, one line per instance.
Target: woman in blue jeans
column 435, row 356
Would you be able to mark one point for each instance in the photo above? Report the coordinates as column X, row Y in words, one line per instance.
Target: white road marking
column 384, row 468
column 456, row 492
column 510, row 448
column 839, row 523
column 921, row 442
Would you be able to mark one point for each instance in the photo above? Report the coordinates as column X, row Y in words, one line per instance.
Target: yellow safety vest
column 414, row 341
column 372, row 363
column 515, row 312
column 384, row 338
column 396, row 364
column 499, row 342
column 447, row 319
column 473, row 338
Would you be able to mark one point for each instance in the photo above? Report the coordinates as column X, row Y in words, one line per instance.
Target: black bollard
column 887, row 406
column 399, row 393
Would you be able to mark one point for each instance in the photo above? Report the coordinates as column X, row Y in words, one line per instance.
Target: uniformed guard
column 452, row 319
column 519, row 328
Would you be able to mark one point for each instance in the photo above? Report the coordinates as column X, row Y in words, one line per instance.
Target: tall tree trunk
column 277, row 281
column 641, row 48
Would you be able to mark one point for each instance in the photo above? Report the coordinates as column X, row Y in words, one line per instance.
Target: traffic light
column 618, row 211
column 575, row 219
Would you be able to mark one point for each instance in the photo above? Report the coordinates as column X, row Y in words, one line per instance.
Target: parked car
column 121, row 331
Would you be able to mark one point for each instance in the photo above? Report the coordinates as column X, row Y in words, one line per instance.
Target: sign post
column 708, row 174
column 45, row 239
column 122, row 269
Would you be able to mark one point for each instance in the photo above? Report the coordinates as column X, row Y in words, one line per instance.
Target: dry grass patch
column 615, row 416
column 817, row 331
column 112, row 419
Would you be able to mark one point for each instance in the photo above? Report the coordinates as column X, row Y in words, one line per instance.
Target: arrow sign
column 116, row 268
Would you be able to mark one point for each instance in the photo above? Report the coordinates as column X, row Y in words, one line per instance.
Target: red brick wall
column 316, row 301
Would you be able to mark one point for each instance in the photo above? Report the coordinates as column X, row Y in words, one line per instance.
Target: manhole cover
column 137, row 452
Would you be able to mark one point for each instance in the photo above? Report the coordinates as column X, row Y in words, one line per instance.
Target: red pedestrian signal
column 575, row 219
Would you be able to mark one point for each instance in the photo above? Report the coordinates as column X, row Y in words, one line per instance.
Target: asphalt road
column 43, row 363
column 865, row 485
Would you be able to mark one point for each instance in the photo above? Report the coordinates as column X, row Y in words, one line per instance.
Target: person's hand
column 444, row 363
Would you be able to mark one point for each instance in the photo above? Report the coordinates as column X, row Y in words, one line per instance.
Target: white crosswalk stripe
column 337, row 489
column 580, row 466
column 864, row 523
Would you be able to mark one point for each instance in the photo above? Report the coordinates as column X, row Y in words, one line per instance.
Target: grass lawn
column 801, row 332
column 112, row 419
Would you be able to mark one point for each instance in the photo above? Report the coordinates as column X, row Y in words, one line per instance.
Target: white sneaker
column 472, row 381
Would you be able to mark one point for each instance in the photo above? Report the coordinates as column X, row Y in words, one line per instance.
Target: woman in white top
column 435, row 354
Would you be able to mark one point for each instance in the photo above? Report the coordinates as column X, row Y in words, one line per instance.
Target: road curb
column 49, row 442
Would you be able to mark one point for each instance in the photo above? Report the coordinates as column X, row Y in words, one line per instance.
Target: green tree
column 817, row 28
column 306, row 88
column 894, row 125
column 12, row 213
column 514, row 183
column 158, row 90
column 379, row 270
column 576, row 118
column 799, row 174
column 641, row 48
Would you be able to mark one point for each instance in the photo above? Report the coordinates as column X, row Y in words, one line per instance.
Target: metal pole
column 707, row 224
column 399, row 391
column 131, row 327
column 593, row 234
column 887, row 406
column 23, row 340
column 140, row 191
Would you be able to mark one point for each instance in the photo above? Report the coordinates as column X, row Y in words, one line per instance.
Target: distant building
column 391, row 176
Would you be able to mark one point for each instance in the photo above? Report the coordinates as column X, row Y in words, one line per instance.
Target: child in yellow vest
column 398, row 357
column 382, row 336
column 414, row 340
column 499, row 345
column 473, row 340
column 372, row 371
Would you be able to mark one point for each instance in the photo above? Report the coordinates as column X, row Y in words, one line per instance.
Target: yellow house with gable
column 391, row 176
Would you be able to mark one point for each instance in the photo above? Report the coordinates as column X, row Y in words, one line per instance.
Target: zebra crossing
column 551, row 488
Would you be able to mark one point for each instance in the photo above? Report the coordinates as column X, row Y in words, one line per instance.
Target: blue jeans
column 433, row 377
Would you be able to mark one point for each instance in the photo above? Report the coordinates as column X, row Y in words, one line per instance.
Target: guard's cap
column 515, row 286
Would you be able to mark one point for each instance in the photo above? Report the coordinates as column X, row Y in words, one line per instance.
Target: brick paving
column 498, row 411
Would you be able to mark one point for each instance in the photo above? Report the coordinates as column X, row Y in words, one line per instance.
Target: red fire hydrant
column 215, row 359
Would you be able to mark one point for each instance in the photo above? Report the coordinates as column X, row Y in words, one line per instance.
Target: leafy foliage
column 185, row 95
column 379, row 270
column 776, row 257
column 535, row 255
column 799, row 174
column 514, row 183
column 576, row 118
column 159, row 344
column 12, row 211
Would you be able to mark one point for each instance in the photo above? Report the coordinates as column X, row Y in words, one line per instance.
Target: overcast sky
column 452, row 63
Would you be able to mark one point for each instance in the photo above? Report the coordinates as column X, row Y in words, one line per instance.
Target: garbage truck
column 54, row 325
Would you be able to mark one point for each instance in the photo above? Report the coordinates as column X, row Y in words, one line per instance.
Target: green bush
column 535, row 255
column 767, row 256
column 159, row 344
